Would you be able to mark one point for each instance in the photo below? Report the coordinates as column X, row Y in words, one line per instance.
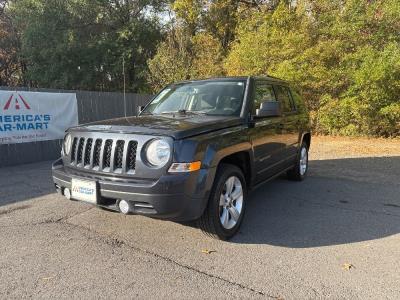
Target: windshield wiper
column 168, row 112
column 193, row 112
column 183, row 112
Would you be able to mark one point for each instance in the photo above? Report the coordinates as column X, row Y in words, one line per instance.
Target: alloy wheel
column 303, row 161
column 231, row 202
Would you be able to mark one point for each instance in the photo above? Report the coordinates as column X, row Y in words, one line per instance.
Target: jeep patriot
column 192, row 153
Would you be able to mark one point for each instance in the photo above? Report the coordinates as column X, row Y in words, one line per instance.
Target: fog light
column 67, row 193
column 124, row 207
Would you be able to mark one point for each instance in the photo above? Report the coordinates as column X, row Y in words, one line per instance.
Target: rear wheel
column 226, row 206
column 299, row 171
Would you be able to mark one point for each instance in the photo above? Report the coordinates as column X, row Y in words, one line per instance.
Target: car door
column 265, row 134
column 290, row 130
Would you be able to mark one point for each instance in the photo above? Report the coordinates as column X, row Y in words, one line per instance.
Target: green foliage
column 181, row 58
column 172, row 62
column 343, row 56
column 10, row 64
column 389, row 120
column 189, row 11
column 77, row 44
column 196, row 44
column 370, row 104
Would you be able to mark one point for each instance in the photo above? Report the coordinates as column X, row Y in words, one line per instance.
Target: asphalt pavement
column 335, row 235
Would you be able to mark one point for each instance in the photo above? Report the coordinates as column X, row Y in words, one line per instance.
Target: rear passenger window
column 298, row 101
column 263, row 92
column 283, row 95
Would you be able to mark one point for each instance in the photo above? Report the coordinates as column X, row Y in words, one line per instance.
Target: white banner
column 36, row 116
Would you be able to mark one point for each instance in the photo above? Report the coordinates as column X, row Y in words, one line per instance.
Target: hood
column 176, row 126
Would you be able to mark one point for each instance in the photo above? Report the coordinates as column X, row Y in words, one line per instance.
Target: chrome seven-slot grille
column 109, row 155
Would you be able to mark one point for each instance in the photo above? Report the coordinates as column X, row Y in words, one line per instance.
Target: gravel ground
column 326, row 147
column 335, row 235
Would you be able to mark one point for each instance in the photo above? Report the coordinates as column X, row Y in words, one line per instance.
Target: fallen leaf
column 347, row 266
column 206, row 251
column 47, row 278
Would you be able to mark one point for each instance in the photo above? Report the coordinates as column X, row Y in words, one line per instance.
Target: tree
column 81, row 44
column 11, row 68
column 343, row 55
column 172, row 62
column 182, row 57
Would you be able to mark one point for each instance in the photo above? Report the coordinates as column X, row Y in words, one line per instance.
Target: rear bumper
column 177, row 197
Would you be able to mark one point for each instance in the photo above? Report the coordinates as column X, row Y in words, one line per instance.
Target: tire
column 223, row 221
column 299, row 171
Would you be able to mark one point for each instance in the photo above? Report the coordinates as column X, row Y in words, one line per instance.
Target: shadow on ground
column 24, row 182
column 342, row 201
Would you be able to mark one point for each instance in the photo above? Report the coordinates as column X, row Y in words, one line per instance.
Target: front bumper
column 177, row 197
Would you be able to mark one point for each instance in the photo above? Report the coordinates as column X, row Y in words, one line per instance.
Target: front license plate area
column 84, row 190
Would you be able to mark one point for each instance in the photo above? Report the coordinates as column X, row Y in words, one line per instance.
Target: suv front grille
column 119, row 154
column 80, row 150
column 73, row 150
column 107, row 154
column 88, row 151
column 104, row 155
column 96, row 153
column 131, row 156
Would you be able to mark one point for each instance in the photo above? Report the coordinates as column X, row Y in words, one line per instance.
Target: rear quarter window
column 298, row 101
column 263, row 92
column 284, row 97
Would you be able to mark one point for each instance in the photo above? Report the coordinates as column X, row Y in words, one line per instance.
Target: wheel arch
column 241, row 159
column 307, row 139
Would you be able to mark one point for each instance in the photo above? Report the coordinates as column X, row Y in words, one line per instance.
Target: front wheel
column 299, row 171
column 226, row 206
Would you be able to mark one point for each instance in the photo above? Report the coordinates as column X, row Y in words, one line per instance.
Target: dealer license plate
column 84, row 190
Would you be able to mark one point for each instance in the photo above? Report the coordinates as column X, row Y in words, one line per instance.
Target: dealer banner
column 36, row 116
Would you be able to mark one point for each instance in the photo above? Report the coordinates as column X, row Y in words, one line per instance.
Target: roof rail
column 274, row 77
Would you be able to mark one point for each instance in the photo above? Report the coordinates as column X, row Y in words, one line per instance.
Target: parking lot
column 337, row 235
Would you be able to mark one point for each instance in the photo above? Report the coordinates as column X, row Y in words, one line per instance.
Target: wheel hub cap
column 303, row 161
column 231, row 202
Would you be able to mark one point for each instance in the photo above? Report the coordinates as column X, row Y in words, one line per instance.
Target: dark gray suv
column 192, row 153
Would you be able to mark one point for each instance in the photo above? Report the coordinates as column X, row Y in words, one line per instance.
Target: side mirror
column 140, row 109
column 269, row 109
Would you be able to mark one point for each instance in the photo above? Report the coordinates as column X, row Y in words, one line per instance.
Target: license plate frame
column 84, row 190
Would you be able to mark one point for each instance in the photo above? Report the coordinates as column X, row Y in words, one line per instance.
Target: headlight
column 67, row 144
column 158, row 152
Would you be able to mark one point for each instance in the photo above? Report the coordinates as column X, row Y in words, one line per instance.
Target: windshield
column 203, row 97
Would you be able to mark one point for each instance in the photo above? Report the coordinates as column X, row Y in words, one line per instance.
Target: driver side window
column 262, row 92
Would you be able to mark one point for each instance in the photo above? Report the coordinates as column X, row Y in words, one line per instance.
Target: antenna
column 123, row 73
